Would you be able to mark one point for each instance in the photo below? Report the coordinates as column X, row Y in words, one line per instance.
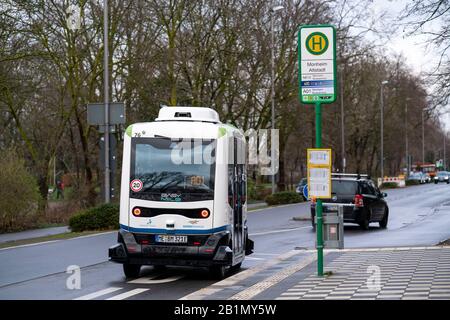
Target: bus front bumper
column 212, row 252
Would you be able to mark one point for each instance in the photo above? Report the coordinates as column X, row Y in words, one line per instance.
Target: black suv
column 361, row 191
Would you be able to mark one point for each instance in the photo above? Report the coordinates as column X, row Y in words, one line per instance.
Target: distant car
column 299, row 189
column 442, row 176
column 427, row 178
column 360, row 190
column 417, row 176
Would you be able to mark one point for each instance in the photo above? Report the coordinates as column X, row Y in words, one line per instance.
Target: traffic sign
column 317, row 64
column 96, row 113
column 305, row 191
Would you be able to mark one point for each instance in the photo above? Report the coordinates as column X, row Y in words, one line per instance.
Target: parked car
column 299, row 189
column 427, row 178
column 417, row 176
column 360, row 190
column 442, row 176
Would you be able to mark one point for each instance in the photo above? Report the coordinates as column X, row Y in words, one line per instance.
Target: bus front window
column 173, row 170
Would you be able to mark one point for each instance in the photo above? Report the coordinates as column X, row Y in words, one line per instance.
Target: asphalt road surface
column 419, row 216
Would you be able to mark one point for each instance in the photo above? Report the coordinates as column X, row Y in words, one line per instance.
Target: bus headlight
column 204, row 213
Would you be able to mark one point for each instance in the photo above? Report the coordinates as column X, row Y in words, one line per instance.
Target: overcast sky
column 418, row 56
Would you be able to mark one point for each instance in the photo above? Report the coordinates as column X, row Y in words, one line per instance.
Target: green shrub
column 284, row 197
column 251, row 189
column 412, row 182
column 99, row 218
column 389, row 185
column 19, row 193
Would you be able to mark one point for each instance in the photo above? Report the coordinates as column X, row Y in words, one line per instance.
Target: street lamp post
column 273, row 11
column 423, row 136
column 445, row 162
column 382, row 127
column 406, row 137
column 106, row 99
column 342, row 120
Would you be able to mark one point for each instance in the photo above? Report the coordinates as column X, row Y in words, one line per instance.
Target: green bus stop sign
column 317, row 64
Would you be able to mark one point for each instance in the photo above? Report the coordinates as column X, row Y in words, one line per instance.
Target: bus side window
column 230, row 184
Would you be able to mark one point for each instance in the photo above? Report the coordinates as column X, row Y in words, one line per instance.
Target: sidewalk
column 30, row 234
column 404, row 273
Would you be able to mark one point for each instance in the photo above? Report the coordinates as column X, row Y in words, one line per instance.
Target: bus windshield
column 173, row 170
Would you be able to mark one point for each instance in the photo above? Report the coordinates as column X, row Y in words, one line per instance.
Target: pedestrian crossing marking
column 128, row 294
column 99, row 293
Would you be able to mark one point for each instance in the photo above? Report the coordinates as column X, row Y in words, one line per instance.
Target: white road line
column 92, row 235
column 278, row 231
column 128, row 294
column 29, row 245
column 147, row 280
column 98, row 293
column 272, row 207
column 59, row 240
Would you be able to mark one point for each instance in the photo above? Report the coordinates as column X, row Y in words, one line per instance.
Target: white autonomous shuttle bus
column 183, row 193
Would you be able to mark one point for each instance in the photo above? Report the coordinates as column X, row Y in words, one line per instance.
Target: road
column 419, row 216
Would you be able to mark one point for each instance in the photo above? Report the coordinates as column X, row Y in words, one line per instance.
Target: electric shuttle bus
column 183, row 198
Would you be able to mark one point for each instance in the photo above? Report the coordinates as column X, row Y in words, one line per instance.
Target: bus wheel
column 236, row 267
column 217, row 272
column 159, row 267
column 131, row 270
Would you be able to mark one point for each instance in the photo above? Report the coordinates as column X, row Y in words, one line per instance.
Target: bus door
column 239, row 191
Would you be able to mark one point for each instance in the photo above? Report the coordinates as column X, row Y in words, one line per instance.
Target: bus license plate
column 171, row 239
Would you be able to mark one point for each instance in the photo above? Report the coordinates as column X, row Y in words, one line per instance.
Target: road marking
column 273, row 207
column 261, row 286
column 29, row 245
column 147, row 280
column 92, row 235
column 98, row 293
column 128, row 294
column 52, row 241
column 233, row 280
column 278, row 231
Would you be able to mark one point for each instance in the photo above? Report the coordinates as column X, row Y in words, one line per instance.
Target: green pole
column 319, row 201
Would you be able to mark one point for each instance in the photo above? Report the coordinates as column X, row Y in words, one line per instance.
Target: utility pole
column 272, row 37
column 382, row 127
column 342, row 120
column 445, row 162
column 423, row 137
column 406, row 138
column 106, row 99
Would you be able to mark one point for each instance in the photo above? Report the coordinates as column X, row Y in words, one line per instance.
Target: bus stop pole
column 319, row 201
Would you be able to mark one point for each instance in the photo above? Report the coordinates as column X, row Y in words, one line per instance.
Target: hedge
column 389, row 185
column 412, row 182
column 98, row 218
column 284, row 197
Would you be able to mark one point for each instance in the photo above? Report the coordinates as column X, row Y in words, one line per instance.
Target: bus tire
column 236, row 267
column 131, row 270
column 159, row 267
column 217, row 272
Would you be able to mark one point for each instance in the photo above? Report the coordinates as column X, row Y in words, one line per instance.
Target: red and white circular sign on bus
column 136, row 185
